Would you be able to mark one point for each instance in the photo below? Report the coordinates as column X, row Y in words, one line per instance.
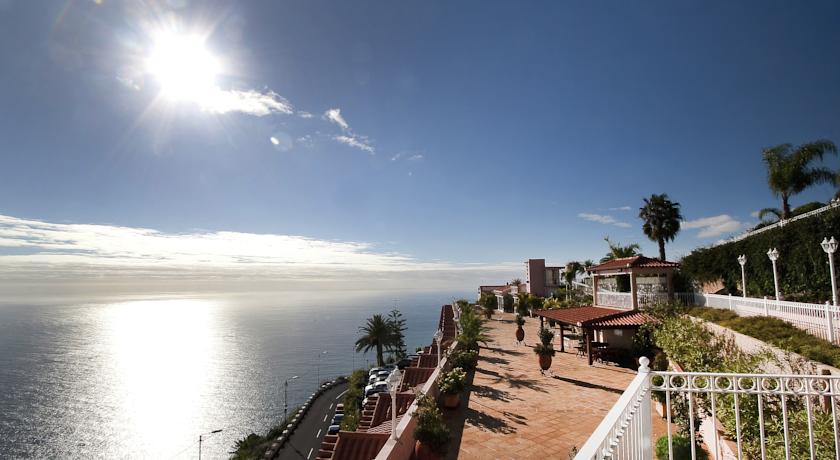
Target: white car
column 375, row 370
column 378, row 387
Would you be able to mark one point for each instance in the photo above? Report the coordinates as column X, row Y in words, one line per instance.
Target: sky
column 444, row 141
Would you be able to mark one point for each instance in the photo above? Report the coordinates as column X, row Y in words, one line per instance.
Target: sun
column 183, row 66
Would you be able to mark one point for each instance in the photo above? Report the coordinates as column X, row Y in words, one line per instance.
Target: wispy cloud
column 603, row 219
column 334, row 115
column 408, row 156
column 713, row 226
column 249, row 102
column 304, row 114
column 621, row 208
column 359, row 142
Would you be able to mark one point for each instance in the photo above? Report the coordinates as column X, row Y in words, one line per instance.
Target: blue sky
column 465, row 132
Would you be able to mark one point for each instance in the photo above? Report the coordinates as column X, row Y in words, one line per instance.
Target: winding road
column 306, row 439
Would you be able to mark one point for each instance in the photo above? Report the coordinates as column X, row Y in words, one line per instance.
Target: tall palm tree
column 617, row 251
column 572, row 269
column 376, row 333
column 789, row 169
column 775, row 212
column 661, row 218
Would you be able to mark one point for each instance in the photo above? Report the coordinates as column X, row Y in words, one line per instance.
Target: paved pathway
column 515, row 412
column 306, row 440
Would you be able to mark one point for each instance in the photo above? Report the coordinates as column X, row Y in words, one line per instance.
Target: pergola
column 592, row 319
column 650, row 272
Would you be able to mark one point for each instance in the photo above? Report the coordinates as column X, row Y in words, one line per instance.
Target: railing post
column 829, row 321
column 645, row 412
column 766, row 311
column 730, row 301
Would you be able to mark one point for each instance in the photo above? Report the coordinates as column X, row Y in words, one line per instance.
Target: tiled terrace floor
column 514, row 412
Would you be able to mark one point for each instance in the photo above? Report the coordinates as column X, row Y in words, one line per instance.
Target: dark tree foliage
column 396, row 344
column 803, row 266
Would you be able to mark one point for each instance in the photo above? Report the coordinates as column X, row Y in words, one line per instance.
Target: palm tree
column 789, row 169
column 572, row 269
column 376, row 333
column 617, row 251
column 776, row 212
column 662, row 220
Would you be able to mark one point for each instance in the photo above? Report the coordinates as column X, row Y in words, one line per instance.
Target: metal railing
column 615, row 299
column 817, row 319
column 781, row 223
column 762, row 415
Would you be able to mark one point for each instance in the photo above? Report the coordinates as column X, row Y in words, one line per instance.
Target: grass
column 775, row 332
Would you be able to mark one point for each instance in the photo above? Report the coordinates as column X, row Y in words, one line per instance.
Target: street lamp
column 201, row 439
column 318, row 370
column 742, row 259
column 286, row 399
column 438, row 336
column 830, row 246
column 393, row 383
column 773, row 254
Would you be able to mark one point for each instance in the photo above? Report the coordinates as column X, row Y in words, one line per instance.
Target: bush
column 681, row 447
column 431, row 429
column 452, row 382
column 465, row 359
column 353, row 399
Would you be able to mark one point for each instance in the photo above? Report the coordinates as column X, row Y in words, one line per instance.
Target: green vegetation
column 681, row 448
column 570, row 274
column 774, row 332
column 353, row 399
column 253, row 446
column 661, row 218
column 617, row 251
column 789, row 169
column 473, row 330
column 528, row 303
column 465, row 359
column 489, row 303
column 452, row 382
column 803, row 268
column 431, row 430
column 396, row 344
column 545, row 348
column 383, row 333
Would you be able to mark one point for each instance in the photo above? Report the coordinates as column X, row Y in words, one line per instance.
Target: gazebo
column 629, row 282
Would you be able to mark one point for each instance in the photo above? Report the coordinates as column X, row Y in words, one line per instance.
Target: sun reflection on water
column 163, row 351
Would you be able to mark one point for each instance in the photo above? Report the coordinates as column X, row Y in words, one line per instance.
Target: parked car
column 333, row 429
column 374, row 370
column 403, row 363
column 339, row 408
column 336, row 420
column 378, row 387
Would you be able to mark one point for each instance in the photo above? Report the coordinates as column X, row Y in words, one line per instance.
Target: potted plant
column 544, row 349
column 451, row 385
column 520, row 333
column 431, row 432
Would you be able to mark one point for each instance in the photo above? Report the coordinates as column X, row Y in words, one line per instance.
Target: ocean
column 143, row 376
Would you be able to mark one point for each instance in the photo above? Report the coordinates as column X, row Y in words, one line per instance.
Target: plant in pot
column 451, row 385
column 431, row 432
column 544, row 349
column 465, row 359
column 520, row 333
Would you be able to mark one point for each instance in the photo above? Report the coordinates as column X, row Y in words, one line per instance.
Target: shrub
column 431, row 429
column 545, row 348
column 353, row 399
column 681, row 447
column 453, row 381
column 465, row 359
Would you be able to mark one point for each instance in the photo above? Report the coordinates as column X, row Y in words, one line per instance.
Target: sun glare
column 184, row 68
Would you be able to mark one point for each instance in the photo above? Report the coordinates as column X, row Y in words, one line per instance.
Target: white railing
column 819, row 320
column 781, row 223
column 765, row 415
column 615, row 299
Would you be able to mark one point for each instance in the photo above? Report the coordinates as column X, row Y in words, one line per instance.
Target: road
column 306, row 440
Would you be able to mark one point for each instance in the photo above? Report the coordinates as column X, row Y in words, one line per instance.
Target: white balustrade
column 615, row 299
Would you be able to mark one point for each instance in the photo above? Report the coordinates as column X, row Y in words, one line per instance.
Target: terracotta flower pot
column 451, row 400
column 424, row 452
column 520, row 334
column 545, row 362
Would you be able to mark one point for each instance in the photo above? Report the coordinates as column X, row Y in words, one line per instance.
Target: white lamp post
column 742, row 259
column 201, row 439
column 393, row 383
column 318, row 370
column 438, row 336
column 830, row 246
column 773, row 254
column 286, row 399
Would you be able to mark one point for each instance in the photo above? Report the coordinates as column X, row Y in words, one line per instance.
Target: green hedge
column 803, row 266
column 775, row 332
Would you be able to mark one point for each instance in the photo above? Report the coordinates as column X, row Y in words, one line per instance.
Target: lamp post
column 742, row 259
column 393, row 383
column 201, row 439
column 830, row 246
column 318, row 370
column 438, row 336
column 773, row 255
column 286, row 399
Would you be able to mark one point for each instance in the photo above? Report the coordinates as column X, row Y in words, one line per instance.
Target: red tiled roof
column 633, row 262
column 427, row 360
column 385, row 427
column 415, row 376
column 353, row 445
column 629, row 319
column 579, row 315
column 382, row 412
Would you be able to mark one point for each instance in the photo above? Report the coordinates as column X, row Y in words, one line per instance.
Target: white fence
column 818, row 320
column 781, row 223
column 787, row 416
column 615, row 299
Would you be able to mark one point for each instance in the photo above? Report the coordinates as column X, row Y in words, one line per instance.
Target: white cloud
column 250, row 102
column 621, row 208
column 407, row 156
column 334, row 115
column 304, row 114
column 415, row 157
column 52, row 247
column 603, row 219
column 713, row 226
column 359, row 142
column 755, row 214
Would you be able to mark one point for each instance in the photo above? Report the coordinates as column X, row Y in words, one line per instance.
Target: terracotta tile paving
column 514, row 412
